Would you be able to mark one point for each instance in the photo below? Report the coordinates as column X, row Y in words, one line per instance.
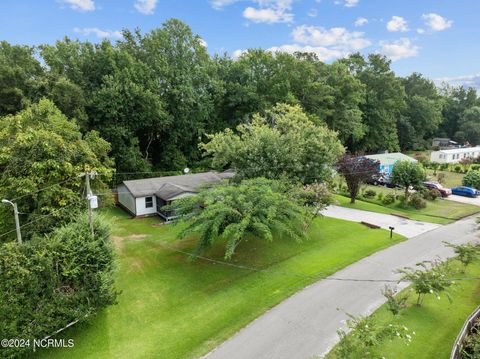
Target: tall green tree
column 20, row 72
column 422, row 114
column 384, row 101
column 407, row 174
column 283, row 143
column 42, row 154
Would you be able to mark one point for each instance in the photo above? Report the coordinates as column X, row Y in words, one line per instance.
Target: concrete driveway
column 305, row 324
column 405, row 227
column 462, row 199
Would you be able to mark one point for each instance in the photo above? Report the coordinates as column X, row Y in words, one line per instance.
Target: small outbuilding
column 387, row 160
column 146, row 197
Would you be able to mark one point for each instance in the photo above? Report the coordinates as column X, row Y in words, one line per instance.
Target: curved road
column 305, row 324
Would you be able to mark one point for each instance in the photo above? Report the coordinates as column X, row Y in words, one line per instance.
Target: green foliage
column 49, row 282
column 40, row 148
column 407, row 174
column 471, row 342
column 370, row 193
column 472, row 179
column 395, row 302
column 466, row 253
column 430, row 277
column 284, row 143
column 416, row 201
column 388, row 199
column 365, row 334
column 259, row 207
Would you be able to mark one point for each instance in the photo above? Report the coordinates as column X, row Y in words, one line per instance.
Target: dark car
column 445, row 192
column 465, row 191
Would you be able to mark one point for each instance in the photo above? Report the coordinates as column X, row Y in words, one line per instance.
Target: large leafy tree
column 357, row 170
column 469, row 129
column 283, row 143
column 384, row 101
column 20, row 72
column 230, row 213
column 407, row 174
column 422, row 114
column 42, row 154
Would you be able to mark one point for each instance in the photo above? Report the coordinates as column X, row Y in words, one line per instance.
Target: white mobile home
column 455, row 155
column 146, row 197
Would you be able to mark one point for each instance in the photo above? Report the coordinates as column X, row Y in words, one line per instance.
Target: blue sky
column 438, row 38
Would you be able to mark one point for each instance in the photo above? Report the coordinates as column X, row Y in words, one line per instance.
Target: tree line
column 155, row 96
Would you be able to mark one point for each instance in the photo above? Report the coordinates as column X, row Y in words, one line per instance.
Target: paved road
column 405, row 227
column 305, row 324
column 462, row 199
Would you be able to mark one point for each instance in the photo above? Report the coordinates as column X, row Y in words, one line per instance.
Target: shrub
column 388, row 199
column 472, row 179
column 444, row 167
column 49, row 282
column 417, row 202
column 370, row 193
column 365, row 334
column 475, row 167
column 429, row 278
column 430, row 194
column 466, row 253
column 457, row 168
column 395, row 303
column 380, row 196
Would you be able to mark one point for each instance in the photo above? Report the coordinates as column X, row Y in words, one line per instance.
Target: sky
column 438, row 38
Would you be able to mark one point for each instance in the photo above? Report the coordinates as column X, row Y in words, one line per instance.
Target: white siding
column 126, row 199
column 142, row 210
column 454, row 156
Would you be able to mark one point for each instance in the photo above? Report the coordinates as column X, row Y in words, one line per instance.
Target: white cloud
column 80, row 5
column 397, row 23
column 420, row 30
column 237, row 53
column 323, row 53
column 466, row 81
column 360, row 21
column 270, row 11
column 312, row 13
column 436, row 22
column 219, row 4
column 102, row 34
column 400, row 49
column 338, row 38
column 146, row 7
column 202, row 42
column 347, row 3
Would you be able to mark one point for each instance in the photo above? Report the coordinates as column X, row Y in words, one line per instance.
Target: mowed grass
column 436, row 323
column 450, row 179
column 439, row 211
column 174, row 308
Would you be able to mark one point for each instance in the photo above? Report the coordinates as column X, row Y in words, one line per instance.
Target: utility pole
column 89, row 193
column 91, row 199
column 17, row 220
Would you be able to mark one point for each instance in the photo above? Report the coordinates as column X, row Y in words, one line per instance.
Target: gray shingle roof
column 171, row 186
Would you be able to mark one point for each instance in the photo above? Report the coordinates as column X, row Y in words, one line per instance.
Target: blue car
column 465, row 191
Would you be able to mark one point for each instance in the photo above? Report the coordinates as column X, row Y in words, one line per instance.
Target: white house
column 146, row 197
column 455, row 155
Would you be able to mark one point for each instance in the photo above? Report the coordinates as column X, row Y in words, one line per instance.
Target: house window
column 148, row 202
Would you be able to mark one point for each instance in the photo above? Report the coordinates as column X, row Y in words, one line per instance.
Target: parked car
column 465, row 191
column 445, row 192
column 381, row 180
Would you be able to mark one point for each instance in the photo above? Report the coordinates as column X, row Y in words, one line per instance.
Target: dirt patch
column 137, row 237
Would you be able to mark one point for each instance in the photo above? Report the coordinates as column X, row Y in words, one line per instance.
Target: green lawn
column 451, row 179
column 439, row 211
column 436, row 323
column 172, row 308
